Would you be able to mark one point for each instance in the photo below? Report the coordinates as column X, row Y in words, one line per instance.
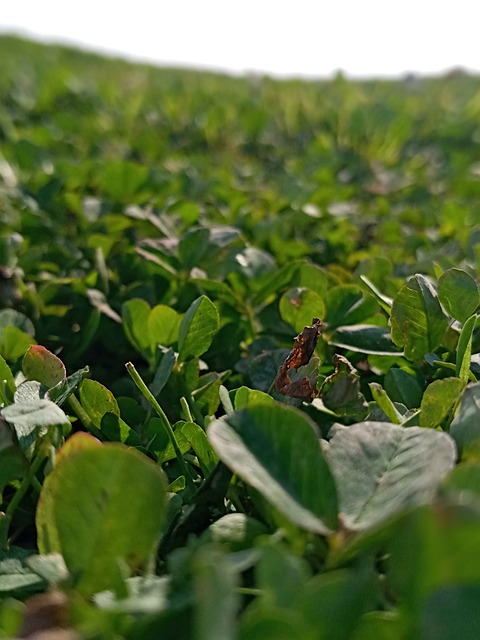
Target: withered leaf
column 300, row 355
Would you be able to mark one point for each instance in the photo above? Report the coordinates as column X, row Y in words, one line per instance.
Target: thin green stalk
column 26, row 482
column 147, row 394
column 194, row 408
column 84, row 418
column 186, row 409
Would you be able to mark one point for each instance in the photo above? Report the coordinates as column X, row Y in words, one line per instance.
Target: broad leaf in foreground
column 381, row 469
column 276, row 450
column 92, row 510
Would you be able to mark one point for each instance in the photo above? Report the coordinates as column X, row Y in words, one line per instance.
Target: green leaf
column 13, row 463
column 163, row 326
column 31, row 419
column 377, row 475
column 428, row 550
column 199, row 325
column 263, row 444
column 103, row 525
column 236, row 531
column 162, row 445
column 402, row 387
column 439, row 399
column 381, row 625
column 452, row 612
column 135, row 316
column 122, row 180
column 281, row 576
column 464, row 481
column 333, row 602
column 384, row 301
column 459, row 294
column 16, row 334
column 64, row 389
column 464, row 350
column 245, row 397
column 198, row 440
column 164, row 369
column 465, row 426
column 384, row 402
column 116, row 430
column 365, row 338
column 347, row 304
column 312, row 277
column 418, row 322
column 16, row 577
column 273, row 623
column 97, row 400
column 193, row 247
column 216, row 599
column 7, row 383
column 299, row 305
column 42, row 365
column 13, row 318
column 341, row 391
column 14, row 343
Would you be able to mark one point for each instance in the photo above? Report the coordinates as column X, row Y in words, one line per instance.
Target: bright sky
column 294, row 37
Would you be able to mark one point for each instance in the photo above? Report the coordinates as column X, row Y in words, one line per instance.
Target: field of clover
column 239, row 353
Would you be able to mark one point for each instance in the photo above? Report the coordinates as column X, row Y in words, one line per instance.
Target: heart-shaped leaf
column 381, row 469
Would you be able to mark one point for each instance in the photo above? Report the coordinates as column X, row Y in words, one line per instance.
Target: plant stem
column 186, row 409
column 147, row 394
column 84, row 418
column 26, row 482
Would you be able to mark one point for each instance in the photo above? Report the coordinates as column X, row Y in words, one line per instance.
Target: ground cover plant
column 239, row 353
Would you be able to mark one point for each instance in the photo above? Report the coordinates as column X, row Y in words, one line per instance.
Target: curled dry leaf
column 300, row 355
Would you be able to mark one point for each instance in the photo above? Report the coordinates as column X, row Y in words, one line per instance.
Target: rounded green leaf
column 163, row 326
column 135, row 315
column 97, row 400
column 42, row 365
column 299, row 305
column 199, row 325
column 438, row 401
column 381, row 469
column 459, row 293
column 93, row 510
column 276, row 450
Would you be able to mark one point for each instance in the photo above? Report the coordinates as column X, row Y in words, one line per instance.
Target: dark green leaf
column 418, row 322
column 365, row 339
column 458, row 292
column 465, row 426
column 199, row 324
column 276, row 450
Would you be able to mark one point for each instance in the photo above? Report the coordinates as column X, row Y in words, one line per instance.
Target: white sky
column 295, row 37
